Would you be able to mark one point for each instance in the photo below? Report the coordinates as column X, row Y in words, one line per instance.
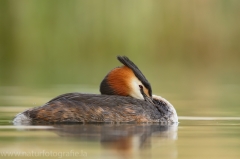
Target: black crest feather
column 125, row 60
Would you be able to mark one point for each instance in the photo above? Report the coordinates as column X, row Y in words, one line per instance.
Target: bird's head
column 126, row 80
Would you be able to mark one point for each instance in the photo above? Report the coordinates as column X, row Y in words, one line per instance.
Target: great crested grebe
column 126, row 96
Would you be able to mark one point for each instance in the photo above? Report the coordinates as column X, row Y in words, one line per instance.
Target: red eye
column 140, row 86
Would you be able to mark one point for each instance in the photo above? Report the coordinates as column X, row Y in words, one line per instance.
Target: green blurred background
column 189, row 50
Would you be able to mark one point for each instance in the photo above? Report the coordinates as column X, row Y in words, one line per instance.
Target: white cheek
column 135, row 90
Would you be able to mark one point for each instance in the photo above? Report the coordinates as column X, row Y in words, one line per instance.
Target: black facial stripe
column 141, row 90
column 124, row 60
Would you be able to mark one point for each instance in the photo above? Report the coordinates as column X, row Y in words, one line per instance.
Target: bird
column 126, row 96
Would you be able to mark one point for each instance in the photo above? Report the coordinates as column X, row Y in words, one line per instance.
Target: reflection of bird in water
column 124, row 140
column 126, row 97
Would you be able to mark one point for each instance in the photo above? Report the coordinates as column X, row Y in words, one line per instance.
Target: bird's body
column 87, row 108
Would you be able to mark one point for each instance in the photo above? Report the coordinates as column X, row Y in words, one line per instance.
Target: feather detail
column 119, row 80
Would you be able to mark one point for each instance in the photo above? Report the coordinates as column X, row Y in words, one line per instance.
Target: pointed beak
column 146, row 98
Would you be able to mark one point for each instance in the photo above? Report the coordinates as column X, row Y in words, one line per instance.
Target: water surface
column 193, row 137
